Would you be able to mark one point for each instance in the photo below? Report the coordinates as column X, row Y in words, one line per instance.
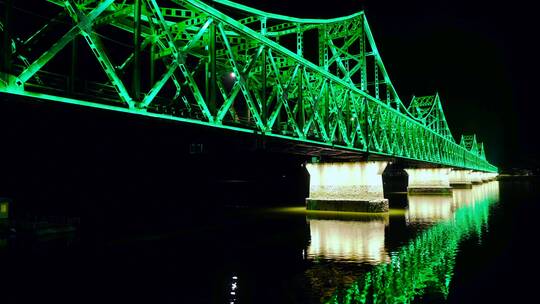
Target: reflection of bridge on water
column 429, row 209
column 427, row 261
column 362, row 238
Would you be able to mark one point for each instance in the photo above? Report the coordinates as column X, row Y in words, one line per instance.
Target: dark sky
column 479, row 55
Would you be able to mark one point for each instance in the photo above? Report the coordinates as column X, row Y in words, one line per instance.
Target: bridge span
column 318, row 84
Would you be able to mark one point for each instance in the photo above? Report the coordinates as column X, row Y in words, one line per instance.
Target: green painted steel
column 230, row 66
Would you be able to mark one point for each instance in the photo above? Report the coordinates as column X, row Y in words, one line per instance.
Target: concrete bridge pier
column 489, row 176
column 347, row 186
column 429, row 181
column 476, row 177
column 460, row 179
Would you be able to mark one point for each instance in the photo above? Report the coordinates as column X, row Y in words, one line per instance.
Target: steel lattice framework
column 226, row 65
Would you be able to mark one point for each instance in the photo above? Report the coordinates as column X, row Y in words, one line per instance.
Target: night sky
column 479, row 55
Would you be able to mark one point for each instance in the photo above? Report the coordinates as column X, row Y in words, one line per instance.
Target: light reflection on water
column 357, row 241
column 351, row 258
column 429, row 209
column 427, row 262
column 362, row 239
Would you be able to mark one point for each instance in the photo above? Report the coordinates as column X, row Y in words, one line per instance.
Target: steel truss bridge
column 225, row 65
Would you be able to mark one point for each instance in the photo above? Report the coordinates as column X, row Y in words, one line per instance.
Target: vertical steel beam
column 137, row 50
column 302, row 116
column 366, row 119
column 300, row 52
column 212, row 106
column 388, row 96
column 264, row 108
column 362, row 55
column 210, row 69
column 299, row 41
column 323, row 51
column 376, row 78
column 152, row 63
column 207, row 70
column 5, row 64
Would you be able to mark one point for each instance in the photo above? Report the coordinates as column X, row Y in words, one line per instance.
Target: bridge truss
column 222, row 64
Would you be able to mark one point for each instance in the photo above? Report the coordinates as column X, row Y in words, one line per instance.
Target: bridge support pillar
column 429, row 181
column 460, row 179
column 347, row 186
column 488, row 176
column 476, row 177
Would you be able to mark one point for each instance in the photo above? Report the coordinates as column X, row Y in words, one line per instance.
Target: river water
column 476, row 246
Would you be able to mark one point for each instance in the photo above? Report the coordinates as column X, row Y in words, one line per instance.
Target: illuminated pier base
column 460, row 179
column 476, row 177
column 489, row 176
column 347, row 186
column 429, row 181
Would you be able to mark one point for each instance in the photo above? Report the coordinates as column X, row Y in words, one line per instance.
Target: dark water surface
column 476, row 246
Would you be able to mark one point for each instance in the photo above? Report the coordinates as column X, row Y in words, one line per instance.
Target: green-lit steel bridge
column 225, row 65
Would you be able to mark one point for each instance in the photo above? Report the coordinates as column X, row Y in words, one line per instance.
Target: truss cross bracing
column 222, row 64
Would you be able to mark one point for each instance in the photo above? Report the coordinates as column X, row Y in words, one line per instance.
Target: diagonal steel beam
column 95, row 45
column 198, row 36
column 60, row 44
column 158, row 85
column 178, row 56
column 241, row 81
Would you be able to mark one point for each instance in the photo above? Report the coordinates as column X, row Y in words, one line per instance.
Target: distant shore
column 515, row 176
